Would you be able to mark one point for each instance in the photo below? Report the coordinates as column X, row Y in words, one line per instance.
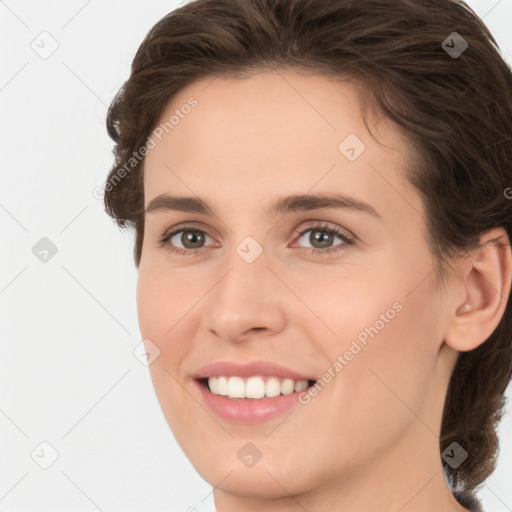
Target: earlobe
column 487, row 283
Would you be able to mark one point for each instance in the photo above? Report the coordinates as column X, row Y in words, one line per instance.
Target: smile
column 257, row 387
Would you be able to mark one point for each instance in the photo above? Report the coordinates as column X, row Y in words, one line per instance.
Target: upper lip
column 249, row 369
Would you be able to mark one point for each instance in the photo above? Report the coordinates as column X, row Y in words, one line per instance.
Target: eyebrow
column 287, row 204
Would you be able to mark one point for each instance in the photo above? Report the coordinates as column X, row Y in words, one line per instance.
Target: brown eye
column 322, row 237
column 191, row 238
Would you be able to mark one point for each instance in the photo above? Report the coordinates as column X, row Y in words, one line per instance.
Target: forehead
column 273, row 131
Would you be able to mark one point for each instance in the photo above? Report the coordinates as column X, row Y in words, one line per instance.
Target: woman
column 319, row 195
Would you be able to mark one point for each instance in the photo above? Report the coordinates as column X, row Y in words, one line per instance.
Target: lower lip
column 247, row 410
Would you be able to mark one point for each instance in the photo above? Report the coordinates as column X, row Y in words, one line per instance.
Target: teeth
column 301, row 384
column 236, row 387
column 254, row 387
column 287, row 386
column 273, row 387
column 223, row 386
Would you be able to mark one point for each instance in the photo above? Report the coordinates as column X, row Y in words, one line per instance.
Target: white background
column 69, row 326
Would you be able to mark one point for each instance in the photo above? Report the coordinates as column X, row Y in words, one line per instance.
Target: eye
column 193, row 238
column 190, row 236
column 322, row 237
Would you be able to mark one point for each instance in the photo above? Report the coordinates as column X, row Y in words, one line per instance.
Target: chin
column 252, row 483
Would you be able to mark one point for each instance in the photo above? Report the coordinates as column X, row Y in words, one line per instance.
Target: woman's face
column 267, row 279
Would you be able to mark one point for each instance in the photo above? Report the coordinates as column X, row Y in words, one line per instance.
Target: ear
column 486, row 280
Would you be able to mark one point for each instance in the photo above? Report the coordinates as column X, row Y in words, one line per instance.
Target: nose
column 247, row 301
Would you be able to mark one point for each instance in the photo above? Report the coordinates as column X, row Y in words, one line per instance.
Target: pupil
column 192, row 237
column 322, row 237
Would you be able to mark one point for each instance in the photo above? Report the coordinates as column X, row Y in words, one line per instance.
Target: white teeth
column 273, row 387
column 287, row 386
column 254, row 387
column 223, row 386
column 236, row 387
column 213, row 384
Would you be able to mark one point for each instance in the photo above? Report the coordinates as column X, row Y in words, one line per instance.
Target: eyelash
column 347, row 239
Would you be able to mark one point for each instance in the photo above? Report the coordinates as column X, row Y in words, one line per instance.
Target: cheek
column 147, row 306
column 392, row 370
column 160, row 302
column 383, row 331
column 344, row 301
column 372, row 398
column 159, row 310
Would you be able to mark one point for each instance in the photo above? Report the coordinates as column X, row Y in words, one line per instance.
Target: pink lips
column 247, row 410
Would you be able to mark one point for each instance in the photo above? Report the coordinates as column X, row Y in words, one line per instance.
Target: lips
column 248, row 410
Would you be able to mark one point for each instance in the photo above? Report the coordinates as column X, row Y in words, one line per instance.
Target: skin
column 369, row 439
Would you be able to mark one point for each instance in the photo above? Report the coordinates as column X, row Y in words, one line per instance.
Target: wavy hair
column 454, row 108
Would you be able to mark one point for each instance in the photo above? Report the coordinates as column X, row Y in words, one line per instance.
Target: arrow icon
column 44, row 455
column 454, row 45
column 249, row 249
column 351, row 147
column 454, row 455
column 249, row 455
column 44, row 250
column 143, row 354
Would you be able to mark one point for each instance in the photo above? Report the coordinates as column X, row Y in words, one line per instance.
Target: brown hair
column 456, row 111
